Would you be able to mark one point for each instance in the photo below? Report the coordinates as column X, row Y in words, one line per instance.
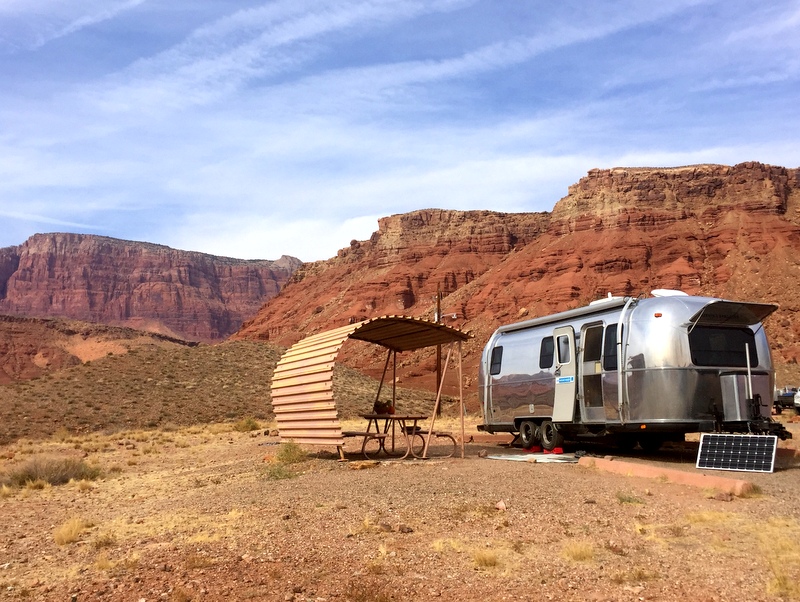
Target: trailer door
column 564, row 405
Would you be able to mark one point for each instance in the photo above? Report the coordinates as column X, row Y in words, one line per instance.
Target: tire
column 549, row 435
column 528, row 434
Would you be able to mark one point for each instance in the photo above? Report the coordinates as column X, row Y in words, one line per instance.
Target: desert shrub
column 579, row 551
column 246, row 424
column 55, row 471
column 369, row 589
column 104, row 540
column 277, row 472
column 628, row 498
column 290, row 453
column 485, row 559
column 70, row 531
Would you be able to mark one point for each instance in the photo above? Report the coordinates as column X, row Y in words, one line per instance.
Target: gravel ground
column 204, row 514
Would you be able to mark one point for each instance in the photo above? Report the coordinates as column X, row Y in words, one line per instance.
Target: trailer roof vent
column 668, row 292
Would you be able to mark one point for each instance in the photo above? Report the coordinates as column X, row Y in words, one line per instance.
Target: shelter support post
column 383, row 378
column 438, row 402
column 461, row 399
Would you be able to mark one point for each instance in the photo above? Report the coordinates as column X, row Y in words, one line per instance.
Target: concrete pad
column 696, row 479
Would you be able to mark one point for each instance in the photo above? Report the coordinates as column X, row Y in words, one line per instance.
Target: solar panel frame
column 745, row 453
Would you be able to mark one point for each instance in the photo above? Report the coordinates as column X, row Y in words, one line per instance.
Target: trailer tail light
column 658, row 314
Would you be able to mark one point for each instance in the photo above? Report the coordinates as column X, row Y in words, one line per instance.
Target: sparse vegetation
column 578, row 551
column 290, row 452
column 368, row 589
column 628, row 498
column 246, row 424
column 104, row 540
column 70, row 531
column 38, row 471
column 485, row 559
column 634, row 575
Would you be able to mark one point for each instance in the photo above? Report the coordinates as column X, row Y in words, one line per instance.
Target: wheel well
column 519, row 421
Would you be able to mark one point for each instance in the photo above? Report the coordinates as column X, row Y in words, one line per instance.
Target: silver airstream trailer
column 640, row 370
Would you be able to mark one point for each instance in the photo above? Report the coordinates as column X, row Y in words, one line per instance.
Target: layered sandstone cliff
column 713, row 230
column 141, row 285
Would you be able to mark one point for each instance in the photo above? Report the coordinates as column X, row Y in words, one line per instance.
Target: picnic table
column 397, row 435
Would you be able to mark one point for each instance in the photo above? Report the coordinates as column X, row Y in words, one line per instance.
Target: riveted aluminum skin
column 679, row 365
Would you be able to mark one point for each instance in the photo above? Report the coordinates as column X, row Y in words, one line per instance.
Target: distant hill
column 731, row 232
column 34, row 347
column 120, row 379
column 151, row 287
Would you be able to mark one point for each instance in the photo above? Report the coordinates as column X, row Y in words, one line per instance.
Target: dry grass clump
column 578, row 551
column 485, row 559
column 104, row 540
column 634, row 575
column 628, row 498
column 288, row 453
column 246, row 425
column 369, row 589
column 70, row 531
column 52, row 471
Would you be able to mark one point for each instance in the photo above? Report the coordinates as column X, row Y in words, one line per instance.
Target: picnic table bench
column 368, row 436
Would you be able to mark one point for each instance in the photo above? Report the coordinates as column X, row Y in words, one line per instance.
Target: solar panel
column 753, row 453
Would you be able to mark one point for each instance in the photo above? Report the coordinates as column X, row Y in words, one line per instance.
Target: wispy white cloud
column 264, row 128
column 30, row 24
column 258, row 43
column 45, row 220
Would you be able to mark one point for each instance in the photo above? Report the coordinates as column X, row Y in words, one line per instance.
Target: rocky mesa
column 140, row 285
column 726, row 231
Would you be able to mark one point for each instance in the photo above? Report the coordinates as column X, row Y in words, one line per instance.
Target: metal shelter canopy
column 400, row 333
column 302, row 384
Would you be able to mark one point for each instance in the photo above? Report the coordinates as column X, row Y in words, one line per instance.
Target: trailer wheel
column 528, row 434
column 549, row 435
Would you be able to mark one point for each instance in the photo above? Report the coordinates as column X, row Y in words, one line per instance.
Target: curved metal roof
column 302, row 384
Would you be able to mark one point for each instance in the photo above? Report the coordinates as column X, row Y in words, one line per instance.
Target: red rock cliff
column 715, row 230
column 140, row 285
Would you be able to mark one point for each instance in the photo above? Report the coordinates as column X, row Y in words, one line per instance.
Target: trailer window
column 711, row 346
column 610, row 348
column 546, row 353
column 563, row 350
column 592, row 343
column 497, row 360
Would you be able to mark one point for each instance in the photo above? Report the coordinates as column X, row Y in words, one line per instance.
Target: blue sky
column 254, row 129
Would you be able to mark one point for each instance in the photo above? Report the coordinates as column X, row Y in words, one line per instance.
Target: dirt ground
column 208, row 513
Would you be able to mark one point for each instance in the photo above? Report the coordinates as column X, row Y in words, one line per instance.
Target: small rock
column 403, row 528
column 501, row 506
column 724, row 496
column 483, row 453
